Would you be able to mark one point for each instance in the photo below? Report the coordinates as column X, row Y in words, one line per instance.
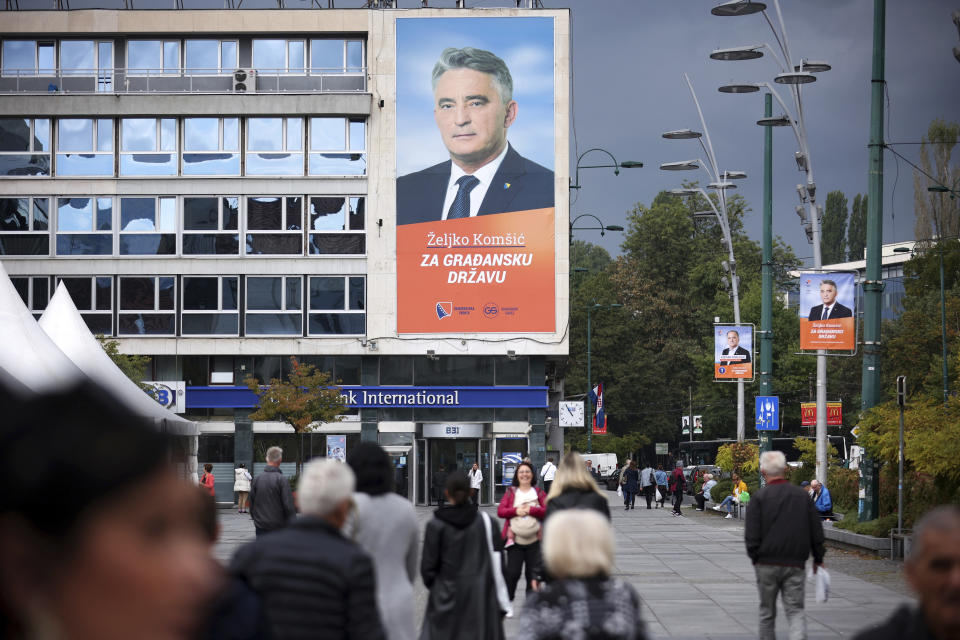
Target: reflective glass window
column 85, row 147
column 148, row 226
column 144, row 56
column 24, row 226
column 206, row 141
column 274, row 225
column 142, row 143
column 19, row 57
column 209, row 305
column 327, row 134
column 146, row 305
column 272, row 56
column 24, row 147
column 228, row 55
column 34, row 291
column 202, row 56
column 273, row 305
column 337, row 146
column 205, row 219
column 201, row 134
column 77, row 57
column 336, row 305
column 326, row 55
column 354, row 56
column 336, row 225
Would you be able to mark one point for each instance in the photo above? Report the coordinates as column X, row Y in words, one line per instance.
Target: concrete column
column 243, row 438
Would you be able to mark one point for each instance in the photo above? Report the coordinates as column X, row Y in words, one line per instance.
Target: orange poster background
column 733, row 371
column 838, row 334
column 524, row 301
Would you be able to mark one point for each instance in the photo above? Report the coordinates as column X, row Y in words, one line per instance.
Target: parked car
column 613, row 480
column 702, row 468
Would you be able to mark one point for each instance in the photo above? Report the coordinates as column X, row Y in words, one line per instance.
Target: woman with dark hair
column 631, row 486
column 523, row 508
column 207, row 479
column 241, row 484
column 385, row 525
column 457, row 567
column 99, row 536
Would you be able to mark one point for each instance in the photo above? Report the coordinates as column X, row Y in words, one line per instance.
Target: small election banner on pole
column 733, row 352
column 828, row 311
column 697, row 424
column 685, row 424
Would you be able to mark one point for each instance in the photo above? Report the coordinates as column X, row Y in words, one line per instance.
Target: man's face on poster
column 733, row 339
column 471, row 116
column 828, row 293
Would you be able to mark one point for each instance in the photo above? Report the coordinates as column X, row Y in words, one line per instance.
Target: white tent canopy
column 27, row 354
column 64, row 325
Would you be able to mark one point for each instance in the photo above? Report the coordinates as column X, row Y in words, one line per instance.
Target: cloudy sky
column 629, row 57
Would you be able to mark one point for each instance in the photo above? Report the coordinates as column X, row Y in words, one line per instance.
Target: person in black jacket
column 574, row 488
column 456, row 567
column 271, row 500
column 781, row 531
column 313, row 582
column 933, row 570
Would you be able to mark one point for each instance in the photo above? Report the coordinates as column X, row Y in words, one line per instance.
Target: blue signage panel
column 767, row 416
column 383, row 397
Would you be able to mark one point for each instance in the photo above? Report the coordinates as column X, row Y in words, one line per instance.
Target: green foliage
column 879, row 528
column 857, row 230
column 306, row 397
column 937, row 215
column 844, row 486
column 808, row 452
column 133, row 366
column 624, row 446
column 742, row 458
column 833, row 239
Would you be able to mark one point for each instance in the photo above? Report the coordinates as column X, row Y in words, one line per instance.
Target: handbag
column 496, row 566
column 525, row 529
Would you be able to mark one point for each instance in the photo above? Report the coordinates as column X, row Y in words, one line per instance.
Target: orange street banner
column 808, row 414
column 828, row 311
column 485, row 274
column 733, row 352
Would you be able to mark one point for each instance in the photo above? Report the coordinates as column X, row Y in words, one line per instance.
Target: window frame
column 32, row 151
column 284, row 306
column 218, row 311
column 350, row 201
column 221, row 128
column 31, row 229
column 158, row 143
column 93, row 311
column 37, row 71
column 31, row 293
column 348, row 149
column 95, row 126
column 157, row 213
column 161, row 70
column 302, row 70
column 156, row 311
column 94, row 231
column 346, row 310
column 221, row 70
column 284, row 148
column 246, row 231
column 344, row 68
column 220, row 230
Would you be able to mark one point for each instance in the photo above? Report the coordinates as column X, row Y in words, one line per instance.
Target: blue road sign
column 768, row 413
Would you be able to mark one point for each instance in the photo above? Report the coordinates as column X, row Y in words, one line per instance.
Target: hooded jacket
column 455, row 567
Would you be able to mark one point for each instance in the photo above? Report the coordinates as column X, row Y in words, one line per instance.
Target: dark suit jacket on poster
column 838, row 311
column 518, row 185
column 739, row 351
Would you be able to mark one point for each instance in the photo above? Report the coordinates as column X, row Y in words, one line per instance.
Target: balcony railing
column 192, row 80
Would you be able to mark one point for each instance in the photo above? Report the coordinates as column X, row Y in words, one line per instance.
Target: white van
column 605, row 463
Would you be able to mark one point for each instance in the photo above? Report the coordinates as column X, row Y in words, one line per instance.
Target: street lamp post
column 793, row 75
column 590, row 309
column 603, row 227
column 720, row 180
column 616, row 166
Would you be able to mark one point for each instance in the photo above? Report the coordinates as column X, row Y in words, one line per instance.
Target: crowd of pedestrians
column 122, row 550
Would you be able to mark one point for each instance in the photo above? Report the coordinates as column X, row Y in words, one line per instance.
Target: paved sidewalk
column 693, row 576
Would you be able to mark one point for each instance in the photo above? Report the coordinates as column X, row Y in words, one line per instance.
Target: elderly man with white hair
column 314, row 583
column 782, row 530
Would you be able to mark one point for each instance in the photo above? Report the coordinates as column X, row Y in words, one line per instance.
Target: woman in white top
column 241, row 484
column 476, row 481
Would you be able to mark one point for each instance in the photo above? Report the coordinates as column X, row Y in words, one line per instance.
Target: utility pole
column 766, row 295
column 690, row 390
column 873, row 282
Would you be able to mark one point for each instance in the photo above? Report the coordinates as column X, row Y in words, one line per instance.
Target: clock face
column 571, row 414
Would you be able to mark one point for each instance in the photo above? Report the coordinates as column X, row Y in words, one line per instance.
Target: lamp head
column 812, row 66
column 682, row 134
column 683, row 165
column 737, row 53
column 631, row 164
column 738, row 88
column 614, row 227
column 775, row 121
column 797, row 77
column 738, row 8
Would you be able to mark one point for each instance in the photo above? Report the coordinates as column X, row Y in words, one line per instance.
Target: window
column 210, row 57
column 147, row 305
column 279, row 56
column 148, row 147
column 337, row 147
column 84, row 147
column 204, row 221
column 148, row 226
column 221, row 370
column 209, row 306
column 274, row 225
column 93, row 296
column 274, row 147
column 336, row 56
column 34, row 291
column 84, row 226
column 153, row 57
column 211, row 146
column 337, row 306
column 333, row 221
column 24, row 147
column 28, row 58
column 274, row 305
column 78, row 58
column 24, row 226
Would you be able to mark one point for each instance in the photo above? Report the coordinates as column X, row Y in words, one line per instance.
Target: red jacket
column 206, row 481
column 506, row 510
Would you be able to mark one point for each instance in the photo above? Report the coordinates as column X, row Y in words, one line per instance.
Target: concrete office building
column 216, row 189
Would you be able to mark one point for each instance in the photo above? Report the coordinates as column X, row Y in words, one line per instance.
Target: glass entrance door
column 422, row 484
column 400, row 460
column 452, row 455
column 486, row 467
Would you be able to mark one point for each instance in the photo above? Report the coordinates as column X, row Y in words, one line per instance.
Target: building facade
column 216, row 189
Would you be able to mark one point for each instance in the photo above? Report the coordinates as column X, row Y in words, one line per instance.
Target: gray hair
column 323, row 486
column 773, row 463
column 945, row 518
column 477, row 60
column 829, row 282
column 578, row 543
column 274, row 454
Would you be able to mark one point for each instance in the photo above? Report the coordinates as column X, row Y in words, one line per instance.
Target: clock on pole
column 571, row 413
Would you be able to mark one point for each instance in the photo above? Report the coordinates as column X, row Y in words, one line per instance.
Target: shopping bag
column 659, row 496
column 821, row 581
column 496, row 567
column 619, row 491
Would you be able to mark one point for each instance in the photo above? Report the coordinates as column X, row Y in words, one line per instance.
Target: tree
column 741, row 458
column 857, row 231
column 833, row 241
column 133, row 366
column 937, row 215
column 306, row 397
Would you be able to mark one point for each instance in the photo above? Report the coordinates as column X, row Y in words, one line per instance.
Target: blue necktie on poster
column 461, row 203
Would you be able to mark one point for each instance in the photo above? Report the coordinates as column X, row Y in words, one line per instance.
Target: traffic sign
column 767, row 414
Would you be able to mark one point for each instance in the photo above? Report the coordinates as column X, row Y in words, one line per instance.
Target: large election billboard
column 476, row 195
column 828, row 311
column 733, row 352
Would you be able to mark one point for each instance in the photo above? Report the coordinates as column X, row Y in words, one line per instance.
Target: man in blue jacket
column 821, row 499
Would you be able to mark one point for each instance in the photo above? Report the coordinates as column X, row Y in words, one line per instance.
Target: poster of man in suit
column 827, row 311
column 733, row 352
column 476, row 190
